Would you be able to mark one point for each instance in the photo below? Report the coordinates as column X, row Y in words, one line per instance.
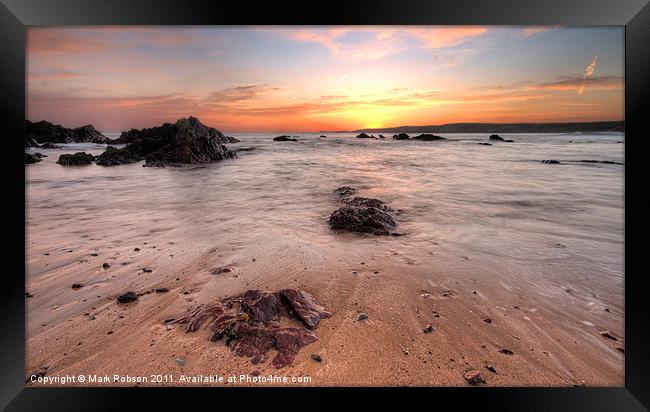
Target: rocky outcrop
column 32, row 158
column 249, row 323
column 361, row 214
column 401, row 136
column 428, row 137
column 284, row 138
column 188, row 141
column 79, row 158
column 230, row 139
column 365, row 136
column 44, row 131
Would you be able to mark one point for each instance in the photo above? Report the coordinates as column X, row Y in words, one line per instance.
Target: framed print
column 397, row 199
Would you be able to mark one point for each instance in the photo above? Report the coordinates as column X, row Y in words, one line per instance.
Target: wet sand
column 555, row 341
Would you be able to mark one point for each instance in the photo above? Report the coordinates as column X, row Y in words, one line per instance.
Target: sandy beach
column 483, row 287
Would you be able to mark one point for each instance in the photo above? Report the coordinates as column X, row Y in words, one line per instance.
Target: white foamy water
column 492, row 210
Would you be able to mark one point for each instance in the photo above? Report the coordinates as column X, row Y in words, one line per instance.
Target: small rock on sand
column 428, row 328
column 487, row 320
column 162, row 290
column 106, row 265
column 474, row 377
column 256, row 372
column 362, row 316
column 127, row 297
column 180, row 361
column 76, row 286
column 506, row 351
column 491, row 368
column 137, row 249
column 317, row 358
column 607, row 334
column 146, row 270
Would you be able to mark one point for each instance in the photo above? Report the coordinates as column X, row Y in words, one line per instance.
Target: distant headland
column 607, row 126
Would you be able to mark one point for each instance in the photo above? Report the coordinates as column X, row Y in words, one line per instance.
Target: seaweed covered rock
column 360, row 219
column 250, row 323
column 401, row 136
column 44, row 131
column 284, row 138
column 188, row 141
column 79, row 158
column 428, row 137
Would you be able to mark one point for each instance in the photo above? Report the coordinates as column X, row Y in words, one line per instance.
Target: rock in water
column 113, row 157
column 344, row 192
column 363, row 215
column 365, row 136
column 31, row 158
column 248, row 323
column 496, row 137
column 43, row 131
column 48, row 145
column 284, row 139
column 188, row 141
column 79, row 158
column 401, row 136
column 428, row 137
column 551, row 162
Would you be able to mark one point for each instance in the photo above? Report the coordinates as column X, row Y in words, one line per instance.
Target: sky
column 314, row 78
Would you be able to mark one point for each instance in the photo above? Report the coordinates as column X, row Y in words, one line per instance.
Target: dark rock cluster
column 249, row 323
column 43, row 131
column 188, row 141
column 79, row 158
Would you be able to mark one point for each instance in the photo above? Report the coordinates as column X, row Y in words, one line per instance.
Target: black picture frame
column 15, row 15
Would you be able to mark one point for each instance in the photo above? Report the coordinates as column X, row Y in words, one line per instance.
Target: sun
column 373, row 125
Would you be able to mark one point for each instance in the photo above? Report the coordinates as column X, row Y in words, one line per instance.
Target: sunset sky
column 292, row 78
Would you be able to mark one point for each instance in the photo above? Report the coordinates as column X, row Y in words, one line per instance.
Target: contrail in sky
column 589, row 71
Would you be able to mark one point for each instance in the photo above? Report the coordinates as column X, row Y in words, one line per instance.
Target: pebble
column 428, row 328
column 146, row 270
column 317, row 358
column 76, row 286
column 127, row 297
column 487, row 320
column 362, row 316
column 506, row 351
column 136, row 249
column 256, row 372
column 180, row 361
column 162, row 290
column 491, row 368
column 106, row 265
